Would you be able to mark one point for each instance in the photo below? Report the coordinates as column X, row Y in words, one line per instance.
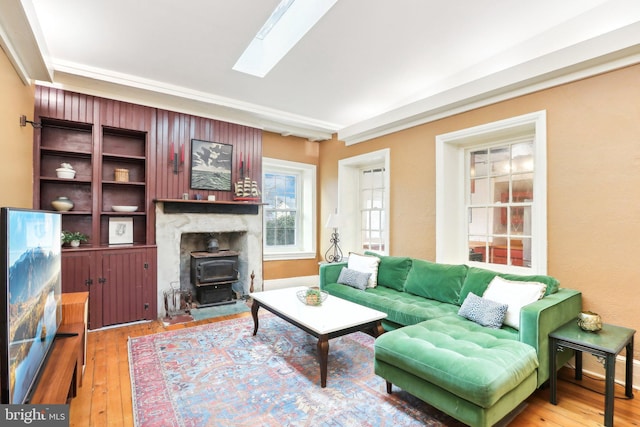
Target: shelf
column 174, row 206
column 125, row 158
column 209, row 202
column 66, row 153
column 74, row 212
column 123, row 183
column 113, row 213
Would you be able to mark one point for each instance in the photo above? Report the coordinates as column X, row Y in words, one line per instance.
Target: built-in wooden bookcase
column 124, row 150
column 97, row 137
column 67, row 142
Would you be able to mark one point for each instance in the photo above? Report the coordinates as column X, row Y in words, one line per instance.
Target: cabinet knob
column 88, row 282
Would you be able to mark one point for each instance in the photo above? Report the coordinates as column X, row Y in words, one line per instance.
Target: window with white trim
column 363, row 202
column 490, row 195
column 499, row 200
column 372, row 208
column 289, row 193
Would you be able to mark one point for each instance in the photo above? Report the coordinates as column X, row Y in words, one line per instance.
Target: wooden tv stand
column 62, row 373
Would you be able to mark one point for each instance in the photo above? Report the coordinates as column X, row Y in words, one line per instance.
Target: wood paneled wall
column 164, row 128
column 175, row 129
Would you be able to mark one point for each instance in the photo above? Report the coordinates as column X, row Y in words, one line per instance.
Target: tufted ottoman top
column 476, row 363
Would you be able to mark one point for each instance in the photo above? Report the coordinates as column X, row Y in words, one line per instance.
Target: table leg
column 323, row 357
column 378, row 329
column 553, row 380
column 254, row 313
column 578, row 373
column 628, row 379
column 610, row 373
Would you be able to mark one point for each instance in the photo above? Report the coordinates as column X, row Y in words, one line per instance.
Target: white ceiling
column 367, row 68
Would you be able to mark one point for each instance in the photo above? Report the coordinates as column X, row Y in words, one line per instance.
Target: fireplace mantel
column 178, row 206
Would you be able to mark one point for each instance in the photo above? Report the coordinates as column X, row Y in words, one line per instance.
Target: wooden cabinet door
column 126, row 280
column 79, row 274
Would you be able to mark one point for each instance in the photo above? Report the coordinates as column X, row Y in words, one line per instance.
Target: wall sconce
column 334, row 253
column 24, row 121
column 176, row 159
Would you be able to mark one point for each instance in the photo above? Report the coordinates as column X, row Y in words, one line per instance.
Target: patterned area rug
column 221, row 375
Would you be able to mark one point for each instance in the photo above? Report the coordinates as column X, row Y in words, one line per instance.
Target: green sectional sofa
column 477, row 374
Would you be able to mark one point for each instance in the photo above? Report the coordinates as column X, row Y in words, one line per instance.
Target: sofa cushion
column 353, row 278
column 515, row 295
column 478, row 364
column 392, row 271
column 478, row 280
column 365, row 264
column 483, row 311
column 441, row 282
column 401, row 308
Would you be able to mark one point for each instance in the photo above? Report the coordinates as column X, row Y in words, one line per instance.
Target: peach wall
column 16, row 142
column 296, row 150
column 593, row 153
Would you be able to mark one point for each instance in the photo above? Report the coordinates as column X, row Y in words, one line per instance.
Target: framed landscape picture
column 210, row 165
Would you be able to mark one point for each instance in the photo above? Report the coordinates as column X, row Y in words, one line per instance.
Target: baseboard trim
column 591, row 366
column 291, row 282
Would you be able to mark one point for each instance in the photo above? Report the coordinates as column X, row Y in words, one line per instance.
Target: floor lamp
column 334, row 253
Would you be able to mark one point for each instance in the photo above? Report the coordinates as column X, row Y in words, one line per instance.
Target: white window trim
column 451, row 220
column 307, row 206
column 349, row 197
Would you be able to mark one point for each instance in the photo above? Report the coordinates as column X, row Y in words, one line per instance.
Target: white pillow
column 515, row 294
column 365, row 264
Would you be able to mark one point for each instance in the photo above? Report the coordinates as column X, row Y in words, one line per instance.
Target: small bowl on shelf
column 123, row 208
column 312, row 296
column 65, row 173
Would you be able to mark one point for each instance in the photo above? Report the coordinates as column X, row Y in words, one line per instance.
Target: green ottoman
column 473, row 373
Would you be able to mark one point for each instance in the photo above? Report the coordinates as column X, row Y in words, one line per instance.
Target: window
column 281, row 214
column 372, row 208
column 289, row 192
column 499, row 201
column 363, row 202
column 490, row 195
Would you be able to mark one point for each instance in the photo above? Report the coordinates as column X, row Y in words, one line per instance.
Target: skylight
column 288, row 23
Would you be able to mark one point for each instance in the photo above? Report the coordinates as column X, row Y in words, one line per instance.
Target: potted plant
column 74, row 238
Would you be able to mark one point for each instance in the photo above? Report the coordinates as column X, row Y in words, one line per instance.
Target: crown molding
column 614, row 50
column 22, row 41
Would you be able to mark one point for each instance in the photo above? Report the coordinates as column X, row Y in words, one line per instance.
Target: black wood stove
column 213, row 274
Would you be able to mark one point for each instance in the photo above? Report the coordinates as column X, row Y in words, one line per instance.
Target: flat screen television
column 30, row 297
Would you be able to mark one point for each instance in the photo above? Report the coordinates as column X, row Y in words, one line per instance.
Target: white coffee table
column 333, row 318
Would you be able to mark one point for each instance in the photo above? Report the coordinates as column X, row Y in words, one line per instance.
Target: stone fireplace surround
column 182, row 230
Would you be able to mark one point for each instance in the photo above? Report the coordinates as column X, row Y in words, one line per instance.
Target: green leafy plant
column 70, row 236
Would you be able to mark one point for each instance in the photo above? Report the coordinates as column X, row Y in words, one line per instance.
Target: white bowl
column 124, row 208
column 65, row 173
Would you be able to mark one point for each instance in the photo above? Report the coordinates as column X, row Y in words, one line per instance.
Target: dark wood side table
column 605, row 345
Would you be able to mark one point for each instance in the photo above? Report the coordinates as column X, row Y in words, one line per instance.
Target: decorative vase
column 75, row 243
column 62, row 204
column 589, row 321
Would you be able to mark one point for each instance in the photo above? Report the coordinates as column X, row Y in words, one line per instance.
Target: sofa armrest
column 542, row 317
column 330, row 272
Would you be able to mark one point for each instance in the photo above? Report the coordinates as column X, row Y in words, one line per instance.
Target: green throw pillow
column 440, row 282
column 478, row 280
column 392, row 271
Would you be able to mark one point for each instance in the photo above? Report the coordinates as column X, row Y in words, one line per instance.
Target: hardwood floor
column 105, row 396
